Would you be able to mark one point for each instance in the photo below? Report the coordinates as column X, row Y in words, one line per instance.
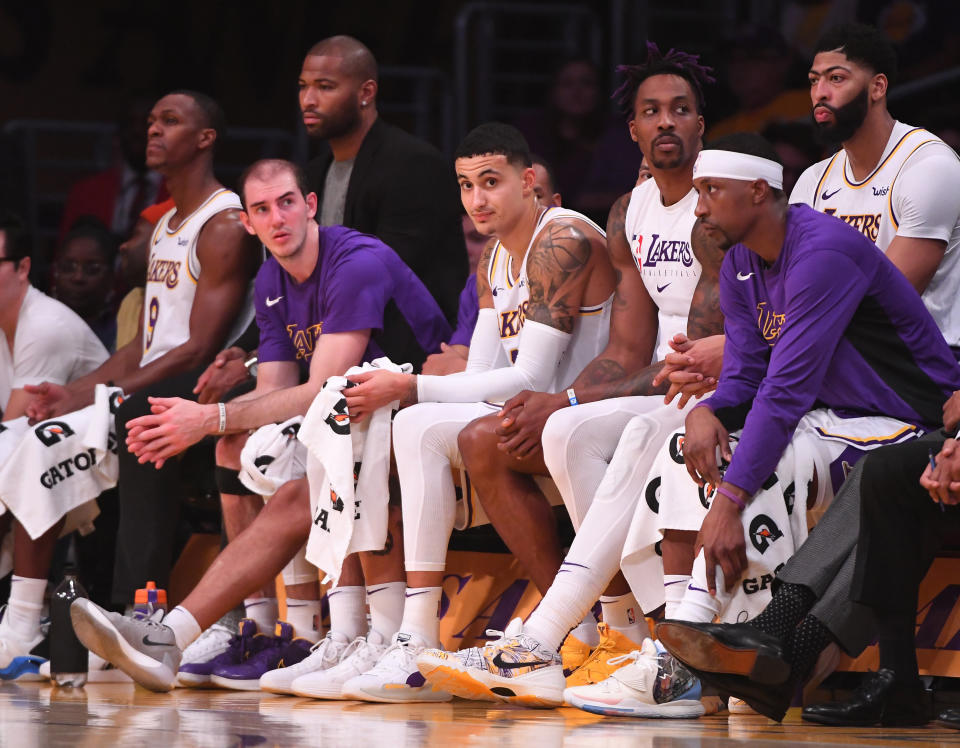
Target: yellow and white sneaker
column 514, row 668
column 597, row 667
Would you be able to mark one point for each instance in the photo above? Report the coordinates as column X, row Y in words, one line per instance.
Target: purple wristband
column 733, row 497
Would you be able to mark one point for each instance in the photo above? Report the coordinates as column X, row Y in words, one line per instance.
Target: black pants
column 150, row 499
column 901, row 527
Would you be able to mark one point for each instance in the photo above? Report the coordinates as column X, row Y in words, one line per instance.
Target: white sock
column 586, row 630
column 560, row 608
column 348, row 611
column 22, row 616
column 304, row 616
column 184, row 625
column 263, row 610
column 698, row 606
column 386, row 603
column 421, row 614
column 674, row 587
column 623, row 614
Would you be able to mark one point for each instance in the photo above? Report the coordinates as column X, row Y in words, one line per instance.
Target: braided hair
column 674, row 62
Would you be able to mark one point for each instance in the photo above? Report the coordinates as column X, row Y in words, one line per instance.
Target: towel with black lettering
column 273, row 456
column 348, row 468
column 62, row 464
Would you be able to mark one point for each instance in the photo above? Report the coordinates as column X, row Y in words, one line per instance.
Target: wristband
column 572, row 397
column 223, row 418
column 733, row 497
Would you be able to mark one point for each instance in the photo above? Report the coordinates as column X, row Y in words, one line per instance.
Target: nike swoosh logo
column 742, row 277
column 827, row 195
column 271, row 302
column 150, row 643
column 381, row 589
column 414, row 594
column 660, row 289
column 498, row 661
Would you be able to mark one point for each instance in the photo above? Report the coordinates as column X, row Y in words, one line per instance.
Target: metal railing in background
column 501, row 69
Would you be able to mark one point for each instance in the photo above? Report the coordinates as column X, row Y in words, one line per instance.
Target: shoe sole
column 422, row 695
column 185, row 680
column 683, row 709
column 329, row 693
column 248, row 684
column 24, row 668
column 703, row 652
column 457, row 682
column 97, row 634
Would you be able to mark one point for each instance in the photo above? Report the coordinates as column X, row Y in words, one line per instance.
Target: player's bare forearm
column 705, row 317
column 604, row 378
column 270, row 407
column 557, row 271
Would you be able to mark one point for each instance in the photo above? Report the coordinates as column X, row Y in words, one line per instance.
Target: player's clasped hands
column 943, row 480
column 522, row 419
column 692, row 369
column 172, row 425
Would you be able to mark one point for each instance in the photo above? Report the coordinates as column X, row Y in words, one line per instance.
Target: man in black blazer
column 375, row 177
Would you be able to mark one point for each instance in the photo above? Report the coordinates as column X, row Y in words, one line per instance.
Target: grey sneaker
column 143, row 648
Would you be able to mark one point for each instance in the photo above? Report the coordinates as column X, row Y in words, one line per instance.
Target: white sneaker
column 654, row 684
column 212, row 643
column 16, row 660
column 395, row 677
column 515, row 668
column 739, row 706
column 98, row 671
column 359, row 656
column 324, row 655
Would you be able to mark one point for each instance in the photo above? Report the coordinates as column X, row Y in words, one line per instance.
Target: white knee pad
column 299, row 570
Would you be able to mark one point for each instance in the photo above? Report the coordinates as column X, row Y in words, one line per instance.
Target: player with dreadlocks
column 597, row 439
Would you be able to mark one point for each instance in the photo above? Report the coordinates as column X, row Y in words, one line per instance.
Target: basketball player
column 545, row 290
column 891, row 181
column 294, row 301
column 667, row 273
column 201, row 262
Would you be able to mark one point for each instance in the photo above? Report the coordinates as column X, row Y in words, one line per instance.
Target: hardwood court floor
column 33, row 714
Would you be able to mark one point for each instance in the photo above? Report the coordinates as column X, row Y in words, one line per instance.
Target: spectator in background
column 83, row 278
column 117, row 195
column 797, row 148
column 758, row 67
column 591, row 153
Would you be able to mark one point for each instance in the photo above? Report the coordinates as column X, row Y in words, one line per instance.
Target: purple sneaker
column 266, row 653
column 216, row 647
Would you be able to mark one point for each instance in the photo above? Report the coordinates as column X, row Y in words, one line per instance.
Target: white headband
column 732, row 165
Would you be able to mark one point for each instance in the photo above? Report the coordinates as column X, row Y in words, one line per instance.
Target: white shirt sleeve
column 806, row 185
column 485, row 350
column 539, row 352
column 926, row 198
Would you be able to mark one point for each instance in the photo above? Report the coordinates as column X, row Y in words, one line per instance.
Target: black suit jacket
column 403, row 191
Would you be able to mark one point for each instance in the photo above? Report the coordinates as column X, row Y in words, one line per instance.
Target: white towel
column 273, row 456
column 348, row 467
column 62, row 464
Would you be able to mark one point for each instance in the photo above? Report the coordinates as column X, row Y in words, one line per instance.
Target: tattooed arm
column 558, row 269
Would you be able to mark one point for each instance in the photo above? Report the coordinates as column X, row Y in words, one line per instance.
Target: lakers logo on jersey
column 769, row 322
column 663, row 249
column 166, row 272
column 511, row 321
column 867, row 224
column 304, row 340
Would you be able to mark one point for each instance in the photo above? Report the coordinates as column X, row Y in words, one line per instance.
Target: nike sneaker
column 649, row 683
column 605, row 658
column 265, row 653
column 143, row 648
column 395, row 677
column 358, row 657
column 573, row 653
column 216, row 647
column 514, row 668
column 19, row 659
column 98, row 671
column 323, row 655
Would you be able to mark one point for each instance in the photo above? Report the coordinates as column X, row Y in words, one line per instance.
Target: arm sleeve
column 925, row 201
column 823, row 292
column 485, row 349
column 745, row 354
column 540, row 350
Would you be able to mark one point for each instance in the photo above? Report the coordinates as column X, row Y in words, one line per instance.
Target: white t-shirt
column 51, row 344
column 659, row 237
column 912, row 192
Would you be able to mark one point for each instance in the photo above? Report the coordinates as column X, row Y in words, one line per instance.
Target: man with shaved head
column 374, row 177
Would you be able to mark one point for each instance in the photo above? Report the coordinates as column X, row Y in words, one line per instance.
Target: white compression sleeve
column 485, row 348
column 539, row 350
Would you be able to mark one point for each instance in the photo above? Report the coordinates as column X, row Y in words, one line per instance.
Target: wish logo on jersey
column 304, row 340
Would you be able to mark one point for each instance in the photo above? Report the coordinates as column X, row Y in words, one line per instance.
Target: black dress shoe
column 949, row 718
column 769, row 700
column 731, row 648
column 879, row 699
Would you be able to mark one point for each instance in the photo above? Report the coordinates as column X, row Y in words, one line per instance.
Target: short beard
column 847, row 119
column 335, row 126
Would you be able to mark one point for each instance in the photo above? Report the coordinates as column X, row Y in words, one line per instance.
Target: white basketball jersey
column 591, row 328
column 172, row 273
column 659, row 237
column 875, row 206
